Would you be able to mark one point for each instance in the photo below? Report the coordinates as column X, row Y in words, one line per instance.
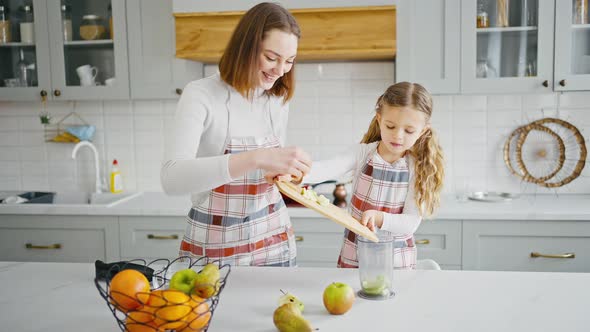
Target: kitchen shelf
column 580, row 26
column 89, row 42
column 17, row 44
column 507, row 29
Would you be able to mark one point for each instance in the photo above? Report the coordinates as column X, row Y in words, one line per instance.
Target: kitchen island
column 62, row 297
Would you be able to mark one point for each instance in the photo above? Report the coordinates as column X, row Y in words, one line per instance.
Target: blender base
column 379, row 297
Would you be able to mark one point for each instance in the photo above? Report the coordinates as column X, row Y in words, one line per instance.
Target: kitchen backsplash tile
column 333, row 105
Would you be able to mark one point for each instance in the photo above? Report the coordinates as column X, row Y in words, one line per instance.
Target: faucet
column 98, row 184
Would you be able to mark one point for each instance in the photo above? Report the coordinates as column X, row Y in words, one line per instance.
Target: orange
column 143, row 315
column 199, row 317
column 137, row 327
column 128, row 290
column 170, row 307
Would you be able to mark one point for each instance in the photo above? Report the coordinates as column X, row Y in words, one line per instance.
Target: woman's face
column 400, row 129
column 276, row 58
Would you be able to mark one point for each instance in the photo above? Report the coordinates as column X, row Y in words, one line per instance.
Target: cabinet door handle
column 56, row 92
column 546, row 83
column 425, row 241
column 162, row 237
column 298, row 238
column 178, row 91
column 51, row 246
column 562, row 82
column 566, row 255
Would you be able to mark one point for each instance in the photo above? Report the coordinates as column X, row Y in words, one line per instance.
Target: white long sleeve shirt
column 353, row 160
column 194, row 162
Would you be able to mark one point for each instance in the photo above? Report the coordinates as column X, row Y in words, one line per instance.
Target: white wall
column 332, row 108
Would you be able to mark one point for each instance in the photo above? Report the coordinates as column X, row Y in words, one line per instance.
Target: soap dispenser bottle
column 116, row 181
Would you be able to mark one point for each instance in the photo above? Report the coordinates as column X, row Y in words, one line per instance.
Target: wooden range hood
column 343, row 33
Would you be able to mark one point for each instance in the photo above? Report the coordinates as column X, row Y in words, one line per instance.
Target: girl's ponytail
column 429, row 172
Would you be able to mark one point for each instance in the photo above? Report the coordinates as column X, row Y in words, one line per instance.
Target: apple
column 183, row 280
column 338, row 298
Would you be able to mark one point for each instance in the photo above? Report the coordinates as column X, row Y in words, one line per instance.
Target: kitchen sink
column 66, row 198
column 84, row 198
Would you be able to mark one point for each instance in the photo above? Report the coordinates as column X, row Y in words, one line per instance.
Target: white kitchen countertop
column 527, row 207
column 62, row 297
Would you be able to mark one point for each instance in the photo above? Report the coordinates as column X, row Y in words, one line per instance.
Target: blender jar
column 376, row 266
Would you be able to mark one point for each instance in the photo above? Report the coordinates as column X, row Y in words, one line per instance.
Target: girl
column 398, row 172
column 227, row 137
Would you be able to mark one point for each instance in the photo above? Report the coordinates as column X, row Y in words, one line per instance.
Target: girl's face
column 276, row 58
column 400, row 129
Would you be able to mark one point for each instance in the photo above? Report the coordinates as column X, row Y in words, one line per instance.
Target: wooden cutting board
column 330, row 211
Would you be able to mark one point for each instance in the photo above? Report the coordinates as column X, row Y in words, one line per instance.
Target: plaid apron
column 380, row 186
column 244, row 222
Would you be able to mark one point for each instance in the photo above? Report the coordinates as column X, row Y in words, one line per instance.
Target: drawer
column 151, row 237
column 58, row 239
column 507, row 245
column 318, row 241
column 439, row 240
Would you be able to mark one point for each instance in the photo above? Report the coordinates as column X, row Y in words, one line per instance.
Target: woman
column 227, row 138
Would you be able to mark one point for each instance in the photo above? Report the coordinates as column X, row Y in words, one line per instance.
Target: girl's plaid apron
column 244, row 222
column 380, row 186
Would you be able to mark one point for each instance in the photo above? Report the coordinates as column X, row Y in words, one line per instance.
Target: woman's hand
column 291, row 161
column 372, row 218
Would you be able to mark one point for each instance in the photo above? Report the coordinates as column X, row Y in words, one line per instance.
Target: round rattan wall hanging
column 549, row 152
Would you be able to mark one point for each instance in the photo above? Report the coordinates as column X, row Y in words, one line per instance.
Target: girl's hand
column 372, row 218
column 284, row 161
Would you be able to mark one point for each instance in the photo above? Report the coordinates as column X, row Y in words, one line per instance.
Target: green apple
column 183, row 280
column 338, row 298
column 288, row 318
column 290, row 298
column 205, row 282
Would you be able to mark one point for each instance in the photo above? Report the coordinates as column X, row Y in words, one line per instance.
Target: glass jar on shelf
column 580, row 12
column 27, row 25
column 5, row 35
column 66, row 21
column 502, row 12
column 92, row 27
column 482, row 15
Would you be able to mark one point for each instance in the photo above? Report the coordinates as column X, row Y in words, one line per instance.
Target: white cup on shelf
column 87, row 75
column 109, row 81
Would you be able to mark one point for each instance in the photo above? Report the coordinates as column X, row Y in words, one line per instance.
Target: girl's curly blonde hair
column 429, row 165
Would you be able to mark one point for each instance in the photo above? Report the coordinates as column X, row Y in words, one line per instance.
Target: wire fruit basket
column 160, row 308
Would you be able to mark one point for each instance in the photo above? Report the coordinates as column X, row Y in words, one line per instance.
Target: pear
column 205, row 282
column 288, row 318
column 288, row 297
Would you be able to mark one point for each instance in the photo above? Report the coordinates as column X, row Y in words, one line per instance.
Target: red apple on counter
column 338, row 298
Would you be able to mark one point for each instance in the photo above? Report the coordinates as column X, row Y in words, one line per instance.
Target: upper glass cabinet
column 572, row 45
column 21, row 44
column 507, row 45
column 63, row 49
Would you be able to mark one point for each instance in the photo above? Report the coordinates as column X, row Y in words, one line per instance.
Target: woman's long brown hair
column 238, row 66
column 429, row 161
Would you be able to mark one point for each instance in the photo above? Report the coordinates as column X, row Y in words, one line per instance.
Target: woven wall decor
column 554, row 157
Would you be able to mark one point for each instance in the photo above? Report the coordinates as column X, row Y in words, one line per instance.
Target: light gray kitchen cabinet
column 428, row 44
column 544, row 48
column 58, row 238
column 517, row 58
column 509, row 245
column 440, row 240
column 36, row 56
column 318, row 241
column 155, row 73
column 572, row 47
column 151, row 238
column 54, row 60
